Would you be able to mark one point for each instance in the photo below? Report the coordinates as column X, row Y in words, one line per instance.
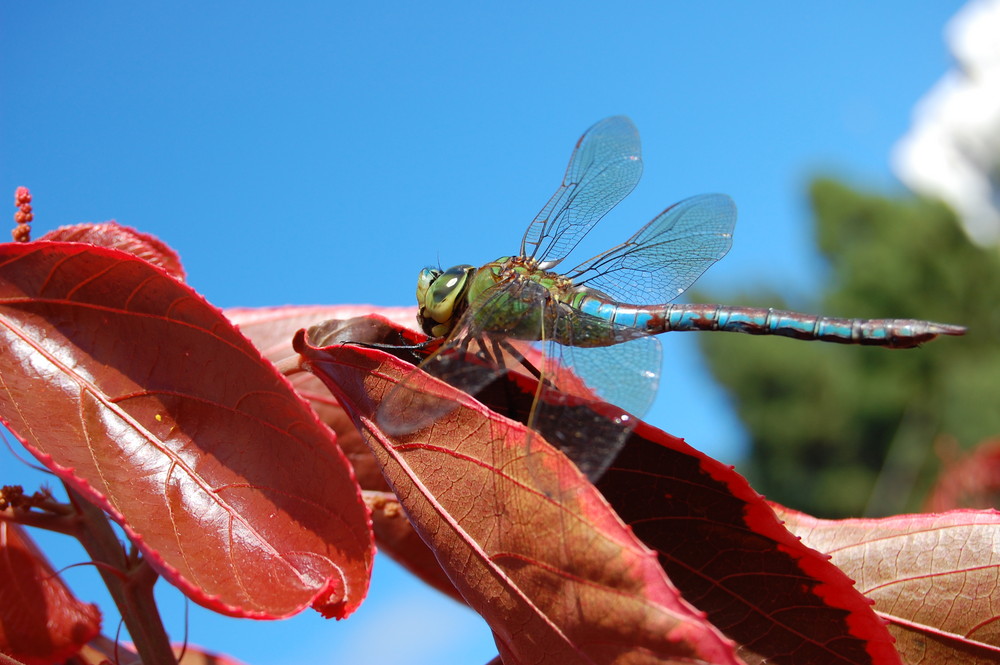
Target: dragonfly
column 596, row 323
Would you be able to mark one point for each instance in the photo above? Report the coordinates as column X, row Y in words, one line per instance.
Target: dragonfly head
column 441, row 298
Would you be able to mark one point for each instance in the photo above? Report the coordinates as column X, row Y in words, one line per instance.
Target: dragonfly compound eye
column 443, row 292
column 424, row 280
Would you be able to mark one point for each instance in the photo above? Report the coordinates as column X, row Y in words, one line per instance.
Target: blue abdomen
column 895, row 333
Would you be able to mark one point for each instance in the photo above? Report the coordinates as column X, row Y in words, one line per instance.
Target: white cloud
column 953, row 149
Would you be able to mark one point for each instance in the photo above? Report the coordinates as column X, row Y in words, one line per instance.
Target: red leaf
column 933, row 577
column 780, row 600
column 125, row 238
column 533, row 547
column 40, row 620
column 724, row 548
column 968, row 481
column 777, row 598
column 271, row 329
column 395, row 536
column 137, row 392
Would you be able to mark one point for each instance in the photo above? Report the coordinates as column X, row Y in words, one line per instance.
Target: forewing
column 667, row 255
column 605, row 167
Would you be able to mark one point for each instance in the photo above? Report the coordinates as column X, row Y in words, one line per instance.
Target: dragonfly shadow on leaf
column 567, row 414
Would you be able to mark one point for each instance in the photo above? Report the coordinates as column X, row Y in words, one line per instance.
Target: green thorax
column 516, row 298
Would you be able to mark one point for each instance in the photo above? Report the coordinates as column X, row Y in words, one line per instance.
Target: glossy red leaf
column 933, row 577
column 41, row 621
column 125, row 238
column 531, row 545
column 133, row 389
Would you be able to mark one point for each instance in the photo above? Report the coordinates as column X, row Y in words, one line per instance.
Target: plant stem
column 132, row 591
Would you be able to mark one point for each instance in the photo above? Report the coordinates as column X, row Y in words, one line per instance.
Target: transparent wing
column 667, row 255
column 625, row 375
column 604, row 168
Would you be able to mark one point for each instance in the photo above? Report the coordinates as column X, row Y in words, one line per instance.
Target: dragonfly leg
column 416, row 352
column 518, row 356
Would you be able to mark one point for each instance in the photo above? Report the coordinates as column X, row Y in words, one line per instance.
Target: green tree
column 839, row 430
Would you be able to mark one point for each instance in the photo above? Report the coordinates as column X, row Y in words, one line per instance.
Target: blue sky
column 325, row 152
